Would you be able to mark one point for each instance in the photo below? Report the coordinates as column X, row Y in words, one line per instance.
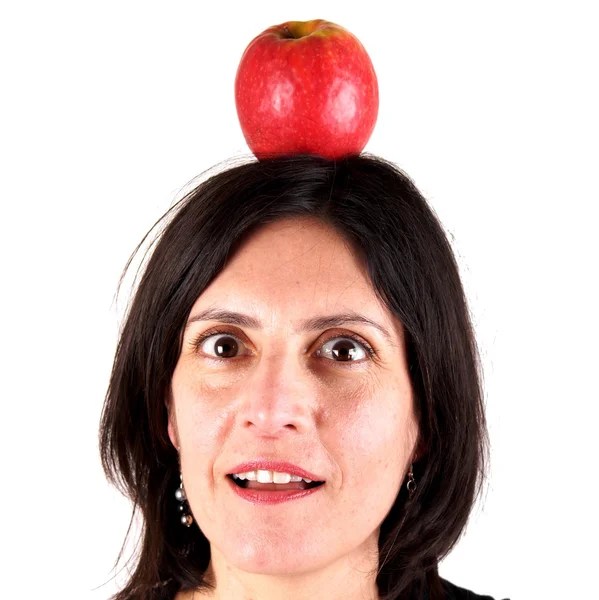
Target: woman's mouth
column 257, row 492
column 272, row 487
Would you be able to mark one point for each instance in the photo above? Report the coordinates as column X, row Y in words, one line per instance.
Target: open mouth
column 274, row 487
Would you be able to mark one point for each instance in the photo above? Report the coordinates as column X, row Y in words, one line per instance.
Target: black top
column 453, row 592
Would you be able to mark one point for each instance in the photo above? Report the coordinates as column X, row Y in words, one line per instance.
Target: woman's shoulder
column 454, row 592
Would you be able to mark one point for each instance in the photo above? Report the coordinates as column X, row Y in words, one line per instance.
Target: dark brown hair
column 412, row 268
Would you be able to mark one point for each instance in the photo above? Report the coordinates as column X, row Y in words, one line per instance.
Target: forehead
column 287, row 258
column 293, row 269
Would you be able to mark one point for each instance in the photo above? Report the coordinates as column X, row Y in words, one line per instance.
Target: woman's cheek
column 208, row 418
column 211, row 379
column 202, row 412
column 355, row 403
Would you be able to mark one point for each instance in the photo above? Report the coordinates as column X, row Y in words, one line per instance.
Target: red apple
column 306, row 87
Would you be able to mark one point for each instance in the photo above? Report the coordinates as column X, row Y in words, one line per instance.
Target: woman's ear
column 173, row 433
column 420, row 451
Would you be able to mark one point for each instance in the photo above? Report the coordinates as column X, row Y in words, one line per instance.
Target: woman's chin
column 279, row 556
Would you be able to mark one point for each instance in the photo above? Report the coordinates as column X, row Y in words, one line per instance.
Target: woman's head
column 290, row 242
column 293, row 387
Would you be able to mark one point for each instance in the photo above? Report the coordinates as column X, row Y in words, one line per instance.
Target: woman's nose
column 278, row 396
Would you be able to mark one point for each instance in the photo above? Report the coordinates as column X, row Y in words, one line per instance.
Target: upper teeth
column 269, row 477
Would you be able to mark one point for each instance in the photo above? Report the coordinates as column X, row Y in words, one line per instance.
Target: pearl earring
column 186, row 518
column 411, row 485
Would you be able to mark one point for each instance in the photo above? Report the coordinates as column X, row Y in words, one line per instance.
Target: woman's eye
column 223, row 346
column 339, row 348
column 343, row 349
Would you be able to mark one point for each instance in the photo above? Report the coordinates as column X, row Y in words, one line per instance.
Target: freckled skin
column 354, row 427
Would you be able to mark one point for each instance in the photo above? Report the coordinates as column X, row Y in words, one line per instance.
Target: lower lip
column 270, row 496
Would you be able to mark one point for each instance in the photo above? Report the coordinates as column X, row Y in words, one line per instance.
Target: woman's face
column 313, row 398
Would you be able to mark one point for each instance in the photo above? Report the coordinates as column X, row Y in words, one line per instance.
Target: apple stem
column 288, row 32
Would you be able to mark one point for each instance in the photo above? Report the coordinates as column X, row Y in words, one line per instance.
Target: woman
column 295, row 405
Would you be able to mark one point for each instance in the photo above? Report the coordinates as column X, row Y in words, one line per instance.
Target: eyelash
column 197, row 341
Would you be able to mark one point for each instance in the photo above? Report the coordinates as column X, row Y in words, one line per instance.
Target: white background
column 108, row 109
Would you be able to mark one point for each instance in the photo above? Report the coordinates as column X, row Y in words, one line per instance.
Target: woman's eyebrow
column 312, row 324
